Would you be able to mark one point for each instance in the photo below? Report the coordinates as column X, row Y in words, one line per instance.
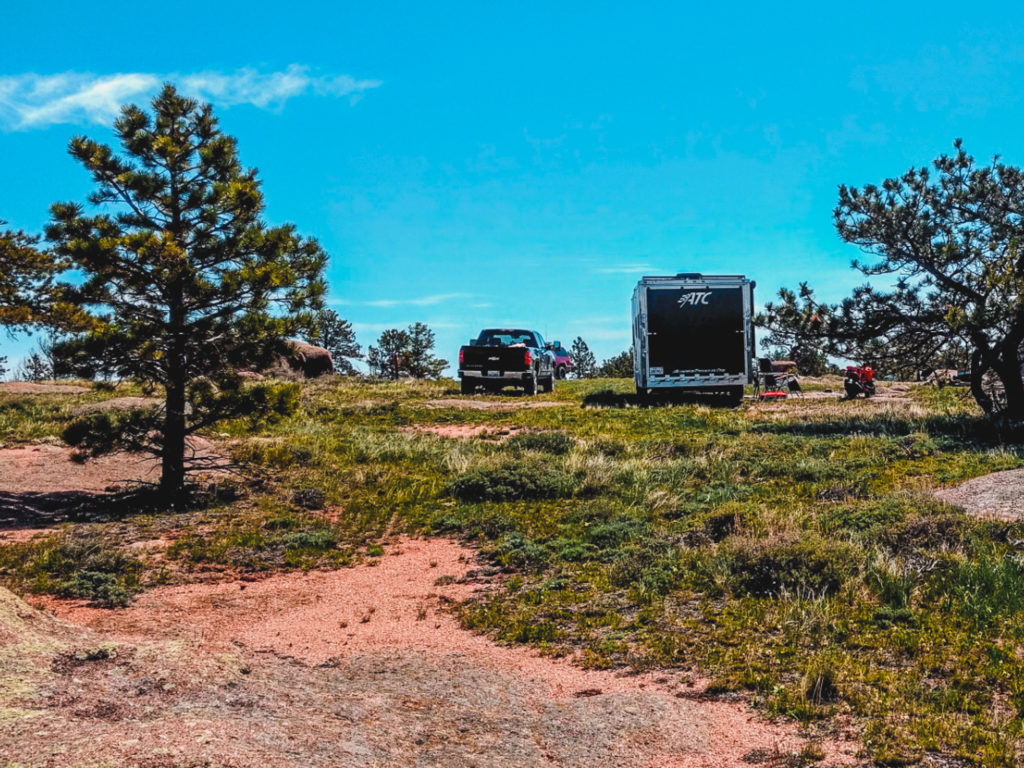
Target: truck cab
column 502, row 357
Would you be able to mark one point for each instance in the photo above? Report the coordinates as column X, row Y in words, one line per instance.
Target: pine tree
column 422, row 364
column 388, row 359
column 405, row 353
column 618, row 367
column 189, row 281
column 34, row 368
column 30, row 294
column 584, row 364
column 336, row 336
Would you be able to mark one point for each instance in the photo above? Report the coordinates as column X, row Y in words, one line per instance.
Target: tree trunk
column 978, row 370
column 1009, row 373
column 172, row 476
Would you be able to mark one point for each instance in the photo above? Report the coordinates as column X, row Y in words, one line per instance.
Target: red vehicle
column 563, row 362
column 860, row 380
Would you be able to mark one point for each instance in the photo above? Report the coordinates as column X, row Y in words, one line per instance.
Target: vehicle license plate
column 494, row 373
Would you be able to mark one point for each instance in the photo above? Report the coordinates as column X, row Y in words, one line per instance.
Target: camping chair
column 770, row 384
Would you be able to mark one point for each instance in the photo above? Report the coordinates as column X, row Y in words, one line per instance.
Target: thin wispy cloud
column 626, row 269
column 35, row 101
column 422, row 301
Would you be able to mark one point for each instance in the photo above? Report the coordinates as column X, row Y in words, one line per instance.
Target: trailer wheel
column 467, row 387
column 734, row 396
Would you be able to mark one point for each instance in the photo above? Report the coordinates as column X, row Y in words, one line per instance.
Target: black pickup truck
column 503, row 357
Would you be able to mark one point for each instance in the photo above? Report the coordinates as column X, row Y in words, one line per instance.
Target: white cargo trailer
column 693, row 334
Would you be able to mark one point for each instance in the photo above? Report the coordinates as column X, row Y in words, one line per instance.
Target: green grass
column 793, row 553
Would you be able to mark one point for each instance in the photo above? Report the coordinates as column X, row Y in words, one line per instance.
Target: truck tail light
column 527, row 357
column 462, row 356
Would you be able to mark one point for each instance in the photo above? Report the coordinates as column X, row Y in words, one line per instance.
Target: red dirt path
column 420, row 689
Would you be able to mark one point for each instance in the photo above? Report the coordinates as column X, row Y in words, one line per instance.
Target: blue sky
column 476, row 164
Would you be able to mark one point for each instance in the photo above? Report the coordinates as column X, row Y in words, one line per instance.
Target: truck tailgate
column 493, row 358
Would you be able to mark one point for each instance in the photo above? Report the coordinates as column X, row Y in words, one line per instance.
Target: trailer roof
column 694, row 276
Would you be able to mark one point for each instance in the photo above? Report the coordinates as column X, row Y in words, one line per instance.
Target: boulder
column 308, row 360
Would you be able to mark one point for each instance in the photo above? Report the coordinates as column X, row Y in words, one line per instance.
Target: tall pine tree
column 584, row 364
column 405, row 353
column 336, row 335
column 188, row 281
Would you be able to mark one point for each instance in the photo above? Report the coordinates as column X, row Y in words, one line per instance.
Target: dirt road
column 359, row 667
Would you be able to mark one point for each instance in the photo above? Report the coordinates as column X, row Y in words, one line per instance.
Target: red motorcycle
column 860, row 380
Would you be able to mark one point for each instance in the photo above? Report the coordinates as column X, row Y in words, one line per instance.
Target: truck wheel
column 530, row 385
column 467, row 387
column 550, row 385
column 560, row 372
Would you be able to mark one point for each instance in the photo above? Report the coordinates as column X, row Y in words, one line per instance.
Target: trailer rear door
column 696, row 329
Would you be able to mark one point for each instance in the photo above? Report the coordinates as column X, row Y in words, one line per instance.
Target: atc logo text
column 694, row 298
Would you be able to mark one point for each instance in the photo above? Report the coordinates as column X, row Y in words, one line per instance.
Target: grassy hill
column 793, row 552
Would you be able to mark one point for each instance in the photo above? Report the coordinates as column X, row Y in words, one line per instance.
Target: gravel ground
column 359, row 667
column 34, row 388
column 998, row 495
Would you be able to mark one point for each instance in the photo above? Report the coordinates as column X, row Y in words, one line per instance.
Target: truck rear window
column 504, row 339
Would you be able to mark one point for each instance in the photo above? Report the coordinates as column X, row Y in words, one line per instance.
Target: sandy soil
column 41, row 485
column 34, row 388
column 49, row 468
column 359, row 667
column 512, row 403
column 997, row 495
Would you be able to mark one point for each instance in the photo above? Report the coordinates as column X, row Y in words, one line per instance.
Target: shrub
column 819, row 684
column 105, row 431
column 510, row 482
column 616, row 532
column 574, row 551
column 936, row 531
column 895, row 583
column 767, row 567
column 317, row 541
column 309, row 498
column 557, row 443
column 102, row 589
column 514, row 550
column 474, row 522
column 864, row 516
column 982, row 590
column 651, row 568
column 613, row 449
column 73, row 566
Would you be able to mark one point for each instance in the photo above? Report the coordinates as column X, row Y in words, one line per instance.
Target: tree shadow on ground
column 961, row 429
column 33, row 509
column 607, row 398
